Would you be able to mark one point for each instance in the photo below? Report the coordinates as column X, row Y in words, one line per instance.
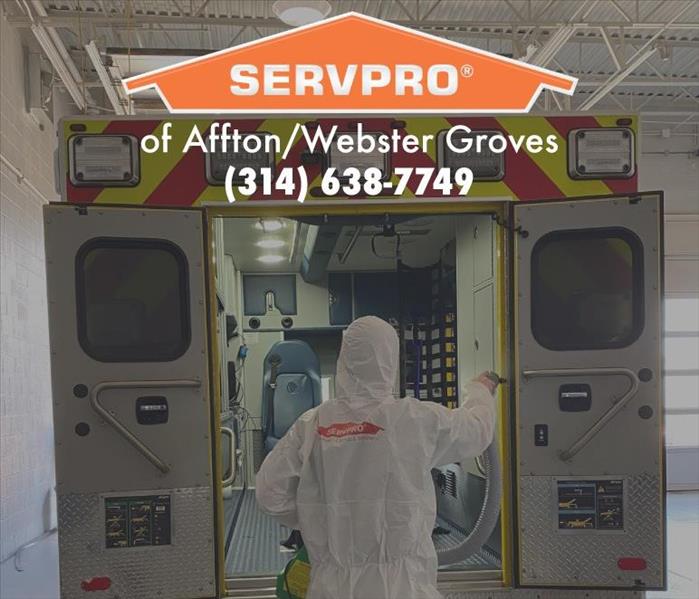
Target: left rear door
column 132, row 405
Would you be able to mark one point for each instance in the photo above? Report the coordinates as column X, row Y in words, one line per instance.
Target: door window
column 132, row 300
column 587, row 289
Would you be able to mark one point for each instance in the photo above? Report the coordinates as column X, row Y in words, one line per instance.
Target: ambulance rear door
column 588, row 409
column 132, row 405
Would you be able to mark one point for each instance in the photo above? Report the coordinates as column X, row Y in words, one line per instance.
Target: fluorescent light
column 270, row 243
column 301, row 12
column 269, row 225
column 271, row 258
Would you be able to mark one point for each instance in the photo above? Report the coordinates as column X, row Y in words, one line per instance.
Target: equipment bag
column 293, row 582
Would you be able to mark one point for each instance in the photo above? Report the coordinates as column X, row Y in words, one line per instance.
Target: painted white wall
column 671, row 164
column 26, row 422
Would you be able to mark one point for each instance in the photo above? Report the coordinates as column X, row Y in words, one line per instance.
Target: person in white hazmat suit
column 353, row 475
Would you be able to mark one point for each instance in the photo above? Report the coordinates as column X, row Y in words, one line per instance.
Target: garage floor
column 39, row 579
column 683, row 547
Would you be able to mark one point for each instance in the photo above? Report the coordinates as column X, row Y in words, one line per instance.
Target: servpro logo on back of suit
column 351, row 64
column 348, row 429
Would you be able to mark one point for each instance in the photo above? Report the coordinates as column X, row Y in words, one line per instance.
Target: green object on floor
column 292, row 583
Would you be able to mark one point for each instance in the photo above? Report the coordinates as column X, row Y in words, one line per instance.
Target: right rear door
column 588, row 378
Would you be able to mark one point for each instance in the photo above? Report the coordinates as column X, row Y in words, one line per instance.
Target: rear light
column 602, row 152
column 239, row 157
column 485, row 164
column 103, row 160
column 98, row 583
column 631, row 563
column 362, row 161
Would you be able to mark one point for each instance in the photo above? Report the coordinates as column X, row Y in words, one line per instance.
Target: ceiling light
column 301, row 12
column 663, row 50
column 270, row 243
column 271, row 258
column 269, row 225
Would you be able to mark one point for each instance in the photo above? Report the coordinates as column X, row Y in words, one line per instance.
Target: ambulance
column 188, row 332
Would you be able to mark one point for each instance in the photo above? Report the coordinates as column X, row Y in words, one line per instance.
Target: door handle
column 230, row 479
column 120, row 428
column 568, row 454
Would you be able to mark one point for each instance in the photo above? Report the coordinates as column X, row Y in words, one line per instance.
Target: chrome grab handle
column 230, row 479
column 120, row 428
column 574, row 395
column 590, row 433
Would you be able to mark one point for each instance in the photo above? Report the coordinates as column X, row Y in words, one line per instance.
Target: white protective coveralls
column 353, row 475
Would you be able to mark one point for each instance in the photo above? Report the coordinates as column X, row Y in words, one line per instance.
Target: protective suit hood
column 368, row 362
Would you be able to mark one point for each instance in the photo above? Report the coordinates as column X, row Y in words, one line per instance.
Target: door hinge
column 508, row 226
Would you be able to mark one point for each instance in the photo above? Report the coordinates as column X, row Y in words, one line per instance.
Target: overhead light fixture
column 301, row 12
column 663, row 50
column 271, row 259
column 270, row 243
column 269, row 225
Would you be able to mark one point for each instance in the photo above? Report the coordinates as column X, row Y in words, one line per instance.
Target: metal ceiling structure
column 630, row 55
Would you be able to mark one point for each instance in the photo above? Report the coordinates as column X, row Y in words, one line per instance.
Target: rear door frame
column 449, row 581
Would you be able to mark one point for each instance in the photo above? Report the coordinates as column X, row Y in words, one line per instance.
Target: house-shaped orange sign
column 351, row 64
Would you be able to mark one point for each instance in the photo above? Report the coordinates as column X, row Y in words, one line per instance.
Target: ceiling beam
column 68, row 17
column 588, row 37
column 610, row 48
column 621, row 11
column 115, row 93
column 585, row 79
column 616, row 78
column 586, row 33
column 57, row 54
column 639, row 81
column 641, row 55
column 546, row 53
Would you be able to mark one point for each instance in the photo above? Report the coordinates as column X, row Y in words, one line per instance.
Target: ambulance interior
column 286, row 290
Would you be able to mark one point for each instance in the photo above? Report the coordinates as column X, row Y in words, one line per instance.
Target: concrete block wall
column 26, row 421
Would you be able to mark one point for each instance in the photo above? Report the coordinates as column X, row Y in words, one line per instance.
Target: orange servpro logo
column 348, row 429
column 351, row 64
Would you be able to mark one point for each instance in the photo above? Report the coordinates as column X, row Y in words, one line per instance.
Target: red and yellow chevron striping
column 179, row 179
